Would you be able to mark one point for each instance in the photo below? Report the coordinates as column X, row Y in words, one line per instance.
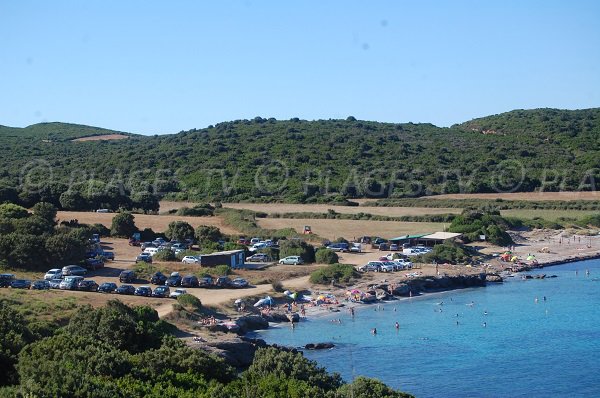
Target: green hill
column 55, row 131
column 312, row 161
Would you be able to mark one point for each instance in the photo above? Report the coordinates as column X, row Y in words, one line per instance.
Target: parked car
column 190, row 281
column 54, row 273
column 125, row 289
column 103, row 211
column 339, row 247
column 384, row 246
column 173, row 280
column 108, row 255
column 40, row 285
column 387, row 266
column 107, row 287
column 87, row 285
column 151, row 251
column 371, row 266
column 70, row 282
column 145, row 257
column 54, row 283
column 239, row 283
column 254, row 241
column 161, row 291
column 223, row 281
column 259, row 258
column 244, row 241
column 6, row 279
column 73, row 270
column 143, row 291
column 356, row 248
column 94, row 263
column 127, row 276
column 206, row 281
column 294, row 260
column 158, row 278
column 394, row 247
column 179, row 246
column 177, row 293
column 20, row 284
column 147, row 245
column 402, row 264
column 191, row 260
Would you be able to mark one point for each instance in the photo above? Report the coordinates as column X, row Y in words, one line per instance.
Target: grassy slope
column 55, row 131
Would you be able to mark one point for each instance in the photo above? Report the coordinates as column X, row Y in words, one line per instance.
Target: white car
column 54, row 273
column 190, row 260
column 177, row 292
column 356, row 248
column 402, row 264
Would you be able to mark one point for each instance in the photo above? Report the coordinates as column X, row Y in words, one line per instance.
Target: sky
column 154, row 67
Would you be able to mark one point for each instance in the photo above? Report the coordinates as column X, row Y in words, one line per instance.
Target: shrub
column 297, row 247
column 123, row 225
column 208, row 233
column 223, row 270
column 326, row 256
column 164, row 255
column 340, row 272
column 189, row 302
column 200, row 210
column 277, row 286
column 448, row 252
column 179, row 230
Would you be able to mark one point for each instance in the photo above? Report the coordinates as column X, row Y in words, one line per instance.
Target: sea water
column 523, row 338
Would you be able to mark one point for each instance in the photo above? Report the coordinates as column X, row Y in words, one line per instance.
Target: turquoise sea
column 527, row 348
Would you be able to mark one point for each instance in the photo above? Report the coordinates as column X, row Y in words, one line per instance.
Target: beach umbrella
column 530, row 257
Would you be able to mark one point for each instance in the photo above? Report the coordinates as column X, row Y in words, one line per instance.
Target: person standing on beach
column 352, row 311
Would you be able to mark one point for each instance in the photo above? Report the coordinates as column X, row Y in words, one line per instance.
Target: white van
column 150, row 251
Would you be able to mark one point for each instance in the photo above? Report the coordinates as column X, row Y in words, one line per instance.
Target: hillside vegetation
column 308, row 161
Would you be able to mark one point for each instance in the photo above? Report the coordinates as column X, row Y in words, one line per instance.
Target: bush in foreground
column 340, row 272
column 326, row 256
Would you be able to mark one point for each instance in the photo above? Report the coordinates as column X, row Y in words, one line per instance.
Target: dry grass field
column 349, row 229
column 271, row 208
column 550, row 215
column 157, row 223
column 533, row 196
column 105, row 137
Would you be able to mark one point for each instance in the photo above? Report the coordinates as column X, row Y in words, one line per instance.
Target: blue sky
column 160, row 67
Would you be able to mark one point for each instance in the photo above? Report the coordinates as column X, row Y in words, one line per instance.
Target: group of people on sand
column 211, row 320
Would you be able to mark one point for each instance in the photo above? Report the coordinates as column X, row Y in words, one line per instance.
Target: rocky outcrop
column 495, row 278
column 239, row 352
column 252, row 322
column 433, row 283
column 319, row 346
column 278, row 317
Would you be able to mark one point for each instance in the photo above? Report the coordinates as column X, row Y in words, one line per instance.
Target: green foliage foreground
column 121, row 351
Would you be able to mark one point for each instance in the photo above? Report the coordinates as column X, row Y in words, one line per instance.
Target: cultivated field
column 533, row 196
column 349, row 229
column 105, row 137
column 271, row 208
column 157, row 223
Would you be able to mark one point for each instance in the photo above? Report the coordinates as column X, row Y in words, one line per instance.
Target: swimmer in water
column 535, row 300
column 544, row 298
column 484, row 312
column 397, row 325
column 456, row 323
column 374, row 331
column 484, row 324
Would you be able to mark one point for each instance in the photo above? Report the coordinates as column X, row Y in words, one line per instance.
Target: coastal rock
column 402, row 289
column 279, row 317
column 239, row 354
column 493, row 278
column 252, row 322
column 319, row 346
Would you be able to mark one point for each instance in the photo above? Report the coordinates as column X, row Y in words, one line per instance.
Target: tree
column 12, row 211
column 208, row 233
column 297, row 247
column 364, row 387
column 14, row 335
column 145, row 201
column 179, row 230
column 326, row 256
column 123, row 225
column 65, row 247
column 73, row 200
column 46, row 211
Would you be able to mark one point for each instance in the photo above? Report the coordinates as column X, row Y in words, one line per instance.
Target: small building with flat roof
column 232, row 258
column 439, row 237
